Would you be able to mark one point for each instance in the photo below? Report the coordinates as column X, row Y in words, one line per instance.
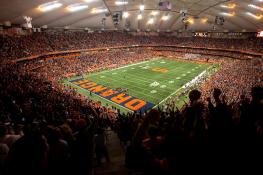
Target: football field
column 140, row 86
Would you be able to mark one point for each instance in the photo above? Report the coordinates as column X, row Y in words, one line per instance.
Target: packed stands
column 46, row 127
column 39, row 43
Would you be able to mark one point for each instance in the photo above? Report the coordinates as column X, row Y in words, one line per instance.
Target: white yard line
column 136, row 63
column 124, row 66
column 136, row 87
column 150, row 80
column 139, row 80
column 142, row 78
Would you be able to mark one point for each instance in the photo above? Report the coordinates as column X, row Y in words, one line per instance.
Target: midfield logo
column 158, row 69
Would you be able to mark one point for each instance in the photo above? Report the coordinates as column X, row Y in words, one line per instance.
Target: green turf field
column 153, row 81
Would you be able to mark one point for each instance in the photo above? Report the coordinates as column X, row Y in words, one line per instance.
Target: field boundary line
column 180, row 88
column 129, row 65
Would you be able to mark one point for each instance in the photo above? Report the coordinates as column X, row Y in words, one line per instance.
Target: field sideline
column 152, row 81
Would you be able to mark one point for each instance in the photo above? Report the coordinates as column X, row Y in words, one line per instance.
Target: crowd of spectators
column 236, row 78
column 207, row 52
column 39, row 43
column 58, row 68
column 204, row 137
column 46, row 127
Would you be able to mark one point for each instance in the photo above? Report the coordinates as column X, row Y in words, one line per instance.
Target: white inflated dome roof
column 238, row 15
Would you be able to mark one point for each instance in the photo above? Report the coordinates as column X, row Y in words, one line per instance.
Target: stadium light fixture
column 98, row 10
column 141, row 7
column 49, row 6
column 139, row 17
column 90, row 1
column 191, row 20
column 229, row 6
column 154, row 13
column 77, row 7
column 125, row 15
column 258, row 17
column 119, row 2
column 255, row 7
column 204, row 20
column 150, row 21
column 165, row 17
column 231, row 14
column 260, row 34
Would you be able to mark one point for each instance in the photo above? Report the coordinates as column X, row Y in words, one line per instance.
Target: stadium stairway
column 117, row 157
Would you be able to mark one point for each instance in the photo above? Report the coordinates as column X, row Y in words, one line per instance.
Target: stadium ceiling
column 200, row 15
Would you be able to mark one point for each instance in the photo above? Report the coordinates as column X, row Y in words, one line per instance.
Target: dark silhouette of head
column 216, row 94
column 194, row 95
column 257, row 94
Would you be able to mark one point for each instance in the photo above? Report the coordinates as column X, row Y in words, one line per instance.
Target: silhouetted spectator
column 59, row 151
column 28, row 155
column 101, row 146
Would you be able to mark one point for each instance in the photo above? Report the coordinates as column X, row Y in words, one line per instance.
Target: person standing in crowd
column 28, row 155
column 101, row 146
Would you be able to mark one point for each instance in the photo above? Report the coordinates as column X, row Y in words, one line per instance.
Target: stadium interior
column 131, row 87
